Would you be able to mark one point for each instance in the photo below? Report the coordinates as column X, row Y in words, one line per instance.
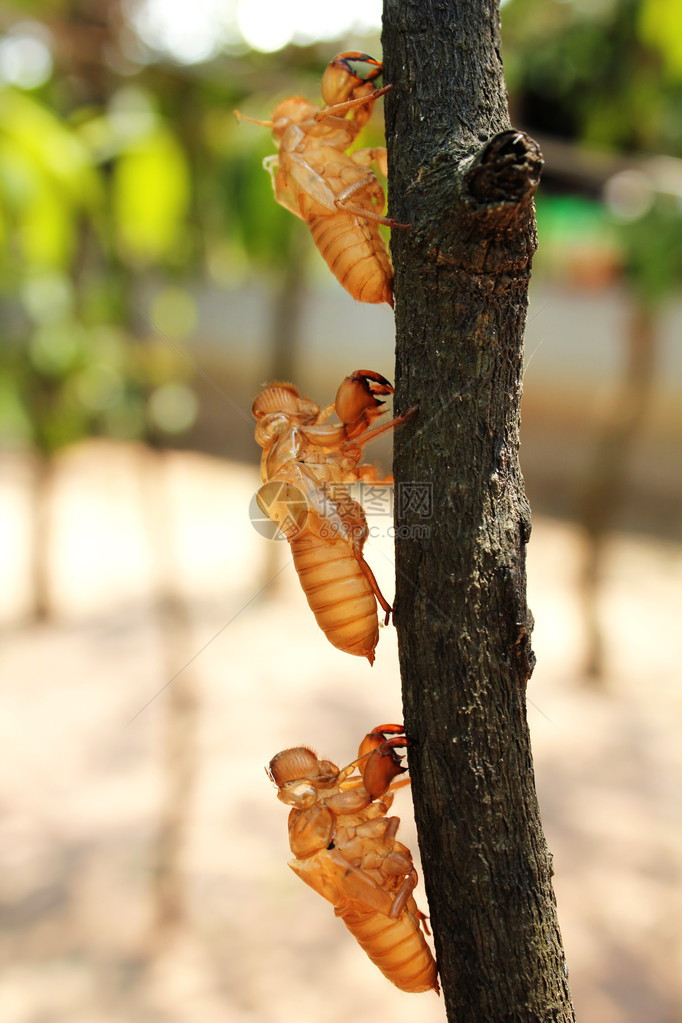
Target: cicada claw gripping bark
column 334, row 191
column 345, row 848
column 306, row 466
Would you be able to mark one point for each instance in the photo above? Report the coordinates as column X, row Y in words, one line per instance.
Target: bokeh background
column 157, row 650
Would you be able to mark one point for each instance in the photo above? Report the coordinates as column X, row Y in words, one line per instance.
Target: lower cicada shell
column 345, row 848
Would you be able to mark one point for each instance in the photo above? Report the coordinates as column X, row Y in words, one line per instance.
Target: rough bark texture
column 465, row 181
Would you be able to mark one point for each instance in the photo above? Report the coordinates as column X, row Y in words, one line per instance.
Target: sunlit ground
column 82, row 776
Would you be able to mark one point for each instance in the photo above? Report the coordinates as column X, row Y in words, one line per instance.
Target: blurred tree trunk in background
column 605, row 486
column 41, row 536
column 287, row 308
column 180, row 695
column 466, row 183
column 288, row 300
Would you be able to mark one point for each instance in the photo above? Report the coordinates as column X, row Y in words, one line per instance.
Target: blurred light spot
column 131, row 113
column 54, row 348
column 150, row 196
column 227, row 263
column 109, row 343
column 99, row 386
column 187, row 32
column 262, row 30
column 125, row 420
column 173, row 408
column 629, row 195
column 193, row 32
column 48, row 297
column 25, row 58
column 133, row 49
column 174, row 312
column 267, row 25
column 665, row 174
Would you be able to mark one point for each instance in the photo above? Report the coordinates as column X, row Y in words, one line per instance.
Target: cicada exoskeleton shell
column 306, row 466
column 346, row 850
column 332, row 188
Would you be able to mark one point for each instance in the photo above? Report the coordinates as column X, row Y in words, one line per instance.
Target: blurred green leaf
column 150, row 194
column 607, row 71
column 652, row 250
column 56, row 349
column 47, row 182
column 660, row 23
column 52, row 148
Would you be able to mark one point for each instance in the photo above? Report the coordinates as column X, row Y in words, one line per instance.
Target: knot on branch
column 507, row 169
column 475, row 212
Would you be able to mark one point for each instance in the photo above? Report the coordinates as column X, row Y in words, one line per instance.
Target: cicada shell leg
column 342, row 202
column 376, row 431
column 252, row 120
column 381, row 767
column 340, row 109
column 366, row 157
column 371, row 578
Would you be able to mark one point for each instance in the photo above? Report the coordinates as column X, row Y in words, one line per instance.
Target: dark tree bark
column 465, row 181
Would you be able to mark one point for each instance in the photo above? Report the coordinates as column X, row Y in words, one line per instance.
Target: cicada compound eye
column 302, row 794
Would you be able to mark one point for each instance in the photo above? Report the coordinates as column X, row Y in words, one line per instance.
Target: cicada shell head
column 283, row 397
column 298, row 774
column 356, row 397
column 277, row 397
column 291, row 771
column 292, row 765
column 348, row 75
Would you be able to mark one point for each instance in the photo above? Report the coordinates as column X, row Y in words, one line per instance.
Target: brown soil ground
column 85, row 746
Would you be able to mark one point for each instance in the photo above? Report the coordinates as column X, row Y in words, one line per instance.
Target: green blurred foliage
column 659, row 25
column 74, row 228
column 150, row 197
column 651, row 247
column 606, row 74
column 602, row 71
column 46, row 182
column 125, row 175
column 115, row 174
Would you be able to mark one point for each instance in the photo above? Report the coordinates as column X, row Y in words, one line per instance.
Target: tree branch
column 466, row 182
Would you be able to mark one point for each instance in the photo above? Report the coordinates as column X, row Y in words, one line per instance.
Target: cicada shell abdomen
column 355, row 253
column 338, row 593
column 396, row 946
